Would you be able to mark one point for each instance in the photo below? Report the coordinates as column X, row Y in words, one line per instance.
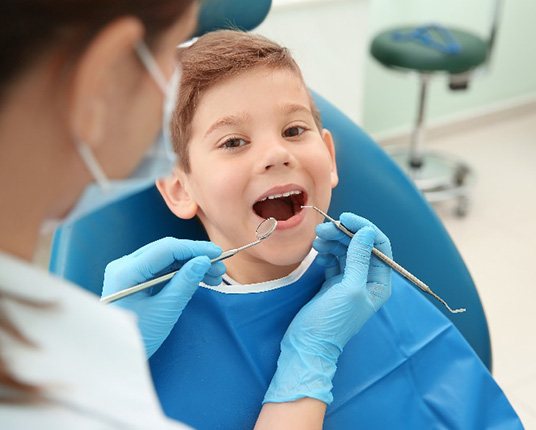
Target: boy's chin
column 287, row 257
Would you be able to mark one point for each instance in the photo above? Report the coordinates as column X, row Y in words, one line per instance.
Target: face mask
column 157, row 162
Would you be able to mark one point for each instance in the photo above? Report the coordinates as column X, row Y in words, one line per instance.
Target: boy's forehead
column 240, row 95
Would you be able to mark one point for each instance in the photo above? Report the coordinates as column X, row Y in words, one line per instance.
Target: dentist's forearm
column 302, row 414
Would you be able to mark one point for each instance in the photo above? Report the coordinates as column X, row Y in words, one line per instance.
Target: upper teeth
column 278, row 196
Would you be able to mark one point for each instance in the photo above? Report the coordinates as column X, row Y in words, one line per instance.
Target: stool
column 429, row 50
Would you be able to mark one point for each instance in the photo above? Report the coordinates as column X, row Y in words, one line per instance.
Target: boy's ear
column 330, row 145
column 176, row 195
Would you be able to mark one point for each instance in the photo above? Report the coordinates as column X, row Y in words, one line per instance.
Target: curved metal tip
column 391, row 263
column 452, row 311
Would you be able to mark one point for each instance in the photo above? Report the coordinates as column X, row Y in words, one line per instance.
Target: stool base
column 440, row 177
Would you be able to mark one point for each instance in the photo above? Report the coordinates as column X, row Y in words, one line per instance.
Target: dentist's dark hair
column 29, row 28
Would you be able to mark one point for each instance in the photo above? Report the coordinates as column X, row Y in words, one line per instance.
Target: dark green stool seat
column 402, row 48
column 429, row 50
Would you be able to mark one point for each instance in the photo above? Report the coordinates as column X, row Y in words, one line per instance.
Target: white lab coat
column 88, row 357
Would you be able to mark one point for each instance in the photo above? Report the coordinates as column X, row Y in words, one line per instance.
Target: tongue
column 280, row 209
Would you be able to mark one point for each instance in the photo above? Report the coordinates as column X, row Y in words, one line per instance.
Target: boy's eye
column 233, row 142
column 293, row 131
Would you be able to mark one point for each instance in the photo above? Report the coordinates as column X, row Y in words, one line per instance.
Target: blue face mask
column 158, row 161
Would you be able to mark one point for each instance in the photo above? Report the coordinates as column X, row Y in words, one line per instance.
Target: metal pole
column 415, row 150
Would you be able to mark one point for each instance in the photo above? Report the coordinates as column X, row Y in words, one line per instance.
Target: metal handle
column 391, row 263
column 152, row 282
column 144, row 285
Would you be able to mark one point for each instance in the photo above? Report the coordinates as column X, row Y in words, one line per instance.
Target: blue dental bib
column 408, row 368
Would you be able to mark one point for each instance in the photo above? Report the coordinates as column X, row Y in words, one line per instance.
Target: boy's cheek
column 322, row 168
column 219, row 190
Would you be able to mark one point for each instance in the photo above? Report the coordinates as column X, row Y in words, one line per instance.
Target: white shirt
column 88, row 358
column 230, row 286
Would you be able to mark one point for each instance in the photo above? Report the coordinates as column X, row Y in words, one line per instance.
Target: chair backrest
column 236, row 14
column 370, row 185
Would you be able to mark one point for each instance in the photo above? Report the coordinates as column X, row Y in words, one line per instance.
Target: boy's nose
column 276, row 155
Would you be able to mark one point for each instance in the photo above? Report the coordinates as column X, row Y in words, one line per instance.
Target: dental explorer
column 391, row 263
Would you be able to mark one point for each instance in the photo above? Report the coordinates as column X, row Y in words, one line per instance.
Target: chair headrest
column 235, row 14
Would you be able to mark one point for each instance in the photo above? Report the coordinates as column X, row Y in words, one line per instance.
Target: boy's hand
column 158, row 313
column 354, row 290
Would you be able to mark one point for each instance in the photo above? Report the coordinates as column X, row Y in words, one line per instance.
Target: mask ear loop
column 170, row 90
column 170, row 104
column 85, row 152
column 152, row 67
column 93, row 165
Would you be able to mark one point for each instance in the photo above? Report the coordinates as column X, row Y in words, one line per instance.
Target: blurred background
column 491, row 126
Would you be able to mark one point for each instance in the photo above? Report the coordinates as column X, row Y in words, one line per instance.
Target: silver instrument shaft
column 152, row 282
column 391, row 263
column 264, row 230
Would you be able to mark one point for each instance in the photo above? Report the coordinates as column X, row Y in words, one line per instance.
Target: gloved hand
column 356, row 286
column 332, row 244
column 158, row 313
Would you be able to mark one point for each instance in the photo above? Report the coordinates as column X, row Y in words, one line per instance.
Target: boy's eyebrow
column 294, row 107
column 229, row 120
column 232, row 120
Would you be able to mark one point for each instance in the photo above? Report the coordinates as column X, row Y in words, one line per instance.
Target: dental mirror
column 263, row 231
column 266, row 228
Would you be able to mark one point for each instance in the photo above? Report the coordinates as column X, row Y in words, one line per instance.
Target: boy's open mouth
column 280, row 206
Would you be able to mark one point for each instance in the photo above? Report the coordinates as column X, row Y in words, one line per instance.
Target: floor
column 497, row 240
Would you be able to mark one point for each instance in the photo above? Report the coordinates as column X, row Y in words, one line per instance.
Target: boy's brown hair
column 213, row 58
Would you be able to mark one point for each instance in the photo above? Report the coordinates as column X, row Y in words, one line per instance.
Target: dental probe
column 264, row 230
column 390, row 262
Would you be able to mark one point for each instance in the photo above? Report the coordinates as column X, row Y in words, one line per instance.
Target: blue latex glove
column 157, row 313
column 332, row 245
column 356, row 286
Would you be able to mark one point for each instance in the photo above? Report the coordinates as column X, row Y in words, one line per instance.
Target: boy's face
column 254, row 140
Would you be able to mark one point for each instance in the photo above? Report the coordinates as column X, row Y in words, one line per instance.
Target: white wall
column 328, row 40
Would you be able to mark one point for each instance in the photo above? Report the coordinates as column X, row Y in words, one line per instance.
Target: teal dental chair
column 236, row 14
column 371, row 185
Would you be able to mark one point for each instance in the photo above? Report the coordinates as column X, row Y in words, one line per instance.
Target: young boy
column 250, row 146
column 247, row 152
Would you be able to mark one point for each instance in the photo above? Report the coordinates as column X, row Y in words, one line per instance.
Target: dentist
column 82, row 89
